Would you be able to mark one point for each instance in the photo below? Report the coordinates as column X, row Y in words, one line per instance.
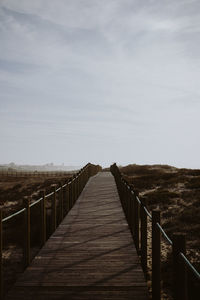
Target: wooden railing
column 137, row 213
column 61, row 198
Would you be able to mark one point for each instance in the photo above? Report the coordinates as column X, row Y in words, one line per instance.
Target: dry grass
column 177, row 193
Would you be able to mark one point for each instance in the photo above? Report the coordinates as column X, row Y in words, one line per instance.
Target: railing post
column 136, row 221
column 43, row 219
column 80, row 181
column 65, row 201
column 131, row 212
column 83, row 179
column 1, row 260
column 84, row 171
column 27, row 250
column 87, row 174
column 126, row 200
column 61, row 203
column 84, row 176
column 179, row 269
column 156, row 291
column 78, row 184
column 129, row 207
column 70, row 194
column 124, row 197
column 54, row 212
column 120, row 187
column 67, row 197
column 127, row 203
column 143, row 238
column 72, row 190
column 75, row 188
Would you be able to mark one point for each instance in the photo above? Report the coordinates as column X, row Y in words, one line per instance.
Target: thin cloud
column 111, row 74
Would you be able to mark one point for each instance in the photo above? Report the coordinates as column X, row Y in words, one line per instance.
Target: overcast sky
column 101, row 81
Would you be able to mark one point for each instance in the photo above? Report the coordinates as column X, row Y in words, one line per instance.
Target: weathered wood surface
column 91, row 254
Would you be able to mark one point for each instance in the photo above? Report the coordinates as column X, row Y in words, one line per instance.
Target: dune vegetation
column 176, row 192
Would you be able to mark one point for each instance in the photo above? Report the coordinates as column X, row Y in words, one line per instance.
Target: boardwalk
column 91, row 254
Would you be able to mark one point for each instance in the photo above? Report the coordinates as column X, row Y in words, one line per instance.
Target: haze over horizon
column 100, row 81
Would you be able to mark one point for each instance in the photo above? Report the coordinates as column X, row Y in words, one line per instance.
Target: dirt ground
column 13, row 191
column 176, row 192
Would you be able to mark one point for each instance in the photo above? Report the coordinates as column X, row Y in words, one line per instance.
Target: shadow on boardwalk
column 91, row 255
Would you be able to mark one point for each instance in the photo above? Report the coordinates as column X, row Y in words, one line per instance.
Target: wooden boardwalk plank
column 91, row 255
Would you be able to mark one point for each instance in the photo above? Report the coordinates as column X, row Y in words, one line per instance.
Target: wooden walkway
column 91, row 255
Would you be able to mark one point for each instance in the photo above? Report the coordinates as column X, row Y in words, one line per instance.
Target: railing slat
column 61, row 203
column 156, row 287
column 180, row 260
column 54, row 211
column 180, row 275
column 43, row 219
column 136, row 222
column 143, row 238
column 27, row 252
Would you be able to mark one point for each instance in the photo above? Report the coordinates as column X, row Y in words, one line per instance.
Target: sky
column 100, row 81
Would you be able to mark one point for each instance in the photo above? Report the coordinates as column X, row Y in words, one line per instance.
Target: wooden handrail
column 138, row 222
column 72, row 187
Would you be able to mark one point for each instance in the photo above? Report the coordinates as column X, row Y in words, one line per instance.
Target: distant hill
column 47, row 167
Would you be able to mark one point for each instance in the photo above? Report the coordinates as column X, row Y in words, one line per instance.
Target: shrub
column 193, row 183
column 160, row 196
